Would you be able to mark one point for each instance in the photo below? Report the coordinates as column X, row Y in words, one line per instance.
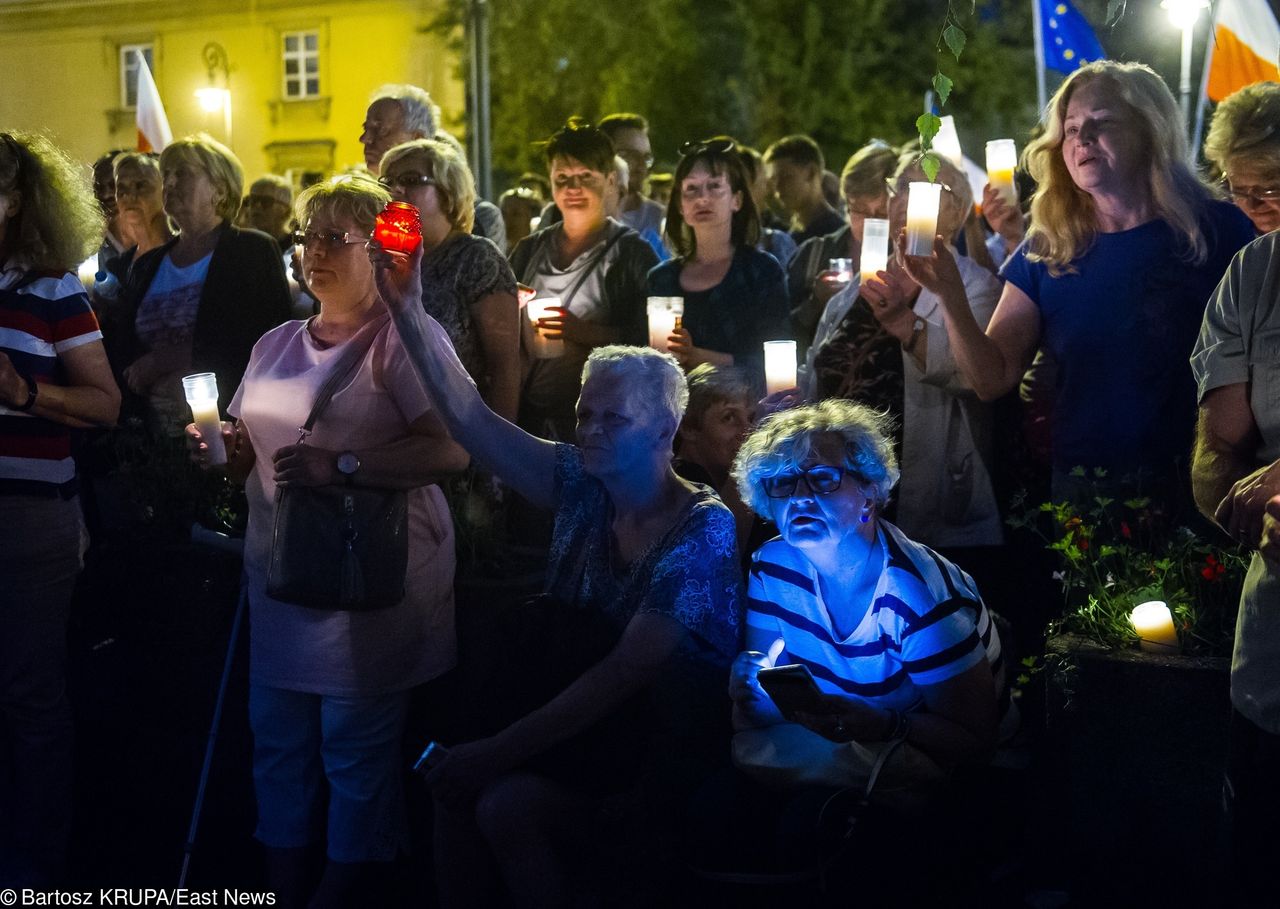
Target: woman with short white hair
column 1125, row 247
column 644, row 558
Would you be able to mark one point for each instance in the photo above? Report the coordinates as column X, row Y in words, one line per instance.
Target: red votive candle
column 398, row 228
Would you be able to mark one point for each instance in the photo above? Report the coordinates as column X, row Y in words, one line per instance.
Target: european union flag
column 1067, row 37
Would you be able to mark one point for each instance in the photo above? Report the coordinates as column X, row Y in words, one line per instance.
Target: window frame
column 300, row 55
column 124, row 51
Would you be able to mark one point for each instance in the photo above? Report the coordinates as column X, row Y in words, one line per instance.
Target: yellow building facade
column 298, row 73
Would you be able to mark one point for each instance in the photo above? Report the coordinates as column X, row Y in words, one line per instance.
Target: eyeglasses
column 708, row 147
column 1252, row 195
column 406, row 182
column 628, row 155
column 329, row 240
column 820, row 478
column 895, row 191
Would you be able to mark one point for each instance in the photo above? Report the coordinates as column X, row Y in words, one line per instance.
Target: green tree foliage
column 843, row 71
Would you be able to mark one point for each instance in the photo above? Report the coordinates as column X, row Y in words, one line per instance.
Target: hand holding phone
column 430, row 758
column 792, row 689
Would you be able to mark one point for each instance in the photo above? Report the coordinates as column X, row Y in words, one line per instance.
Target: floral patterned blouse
column 691, row 574
column 456, row 275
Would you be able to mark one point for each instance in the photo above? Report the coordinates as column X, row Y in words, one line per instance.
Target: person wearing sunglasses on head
column 467, row 285
column 329, row 689
column 896, row 640
column 735, row 295
column 593, row 264
column 1243, row 146
column 199, row 302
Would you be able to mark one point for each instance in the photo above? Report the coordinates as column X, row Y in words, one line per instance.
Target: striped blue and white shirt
column 926, row 623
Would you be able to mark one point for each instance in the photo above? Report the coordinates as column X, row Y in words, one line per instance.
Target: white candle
column 922, row 217
column 88, row 272
column 544, row 348
column 1002, row 159
column 665, row 314
column 843, row 269
column 202, row 394
column 947, row 142
column 875, row 248
column 1154, row 624
column 779, row 365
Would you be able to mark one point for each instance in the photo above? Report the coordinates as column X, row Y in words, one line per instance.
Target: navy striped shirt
column 926, row 623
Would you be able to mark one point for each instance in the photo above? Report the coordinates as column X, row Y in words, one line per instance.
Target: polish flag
column 1247, row 42
column 153, row 125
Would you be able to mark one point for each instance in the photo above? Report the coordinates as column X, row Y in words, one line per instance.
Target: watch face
column 348, row 463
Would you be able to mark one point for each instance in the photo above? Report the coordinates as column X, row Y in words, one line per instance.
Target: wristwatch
column 348, row 464
column 916, row 328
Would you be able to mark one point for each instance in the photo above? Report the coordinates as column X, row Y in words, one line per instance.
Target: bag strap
column 342, row 367
column 594, row 264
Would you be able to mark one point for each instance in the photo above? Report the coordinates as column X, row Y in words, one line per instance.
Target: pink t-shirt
column 337, row 652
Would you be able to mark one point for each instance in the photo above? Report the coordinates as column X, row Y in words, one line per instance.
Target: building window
column 301, row 65
column 129, row 55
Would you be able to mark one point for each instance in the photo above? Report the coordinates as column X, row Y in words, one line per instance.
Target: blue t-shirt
column 1121, row 326
column 750, row 306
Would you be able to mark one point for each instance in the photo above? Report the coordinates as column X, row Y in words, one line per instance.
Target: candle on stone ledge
column 1154, row 623
column 779, row 365
column 1002, row 160
column 922, row 217
column 202, row 395
column 875, row 248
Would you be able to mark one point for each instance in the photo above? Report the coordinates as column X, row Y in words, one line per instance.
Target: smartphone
column 792, row 689
column 430, row 758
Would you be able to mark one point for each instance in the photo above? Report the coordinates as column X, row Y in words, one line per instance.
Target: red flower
column 1082, row 543
column 1207, row 574
column 1125, row 531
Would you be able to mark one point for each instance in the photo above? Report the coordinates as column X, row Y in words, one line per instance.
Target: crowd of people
column 751, row 601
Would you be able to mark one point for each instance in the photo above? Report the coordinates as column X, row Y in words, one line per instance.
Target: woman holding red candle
column 467, row 285
column 596, row 267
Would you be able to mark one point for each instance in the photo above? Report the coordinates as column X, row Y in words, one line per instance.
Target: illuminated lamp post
column 1184, row 14
column 213, row 99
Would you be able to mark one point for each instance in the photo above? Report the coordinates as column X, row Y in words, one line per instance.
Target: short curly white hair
column 651, row 376
column 781, row 443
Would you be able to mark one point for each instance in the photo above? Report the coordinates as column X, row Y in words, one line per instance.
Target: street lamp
column 1184, row 14
column 213, row 99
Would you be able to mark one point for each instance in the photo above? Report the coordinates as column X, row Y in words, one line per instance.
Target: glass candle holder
column 779, row 366
column 1154, row 623
column 201, row 390
column 665, row 314
column 544, row 348
column 875, row 248
column 843, row 269
column 398, row 228
column 1002, row 160
column 922, row 217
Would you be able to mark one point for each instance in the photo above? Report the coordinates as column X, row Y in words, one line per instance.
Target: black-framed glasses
column 331, row 240
column 1252, row 195
column 719, row 146
column 406, row 182
column 894, row 191
column 820, row 478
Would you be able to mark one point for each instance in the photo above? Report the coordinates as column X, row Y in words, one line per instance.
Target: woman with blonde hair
column 467, row 285
column 53, row 377
column 1243, row 145
column 200, row 301
column 1125, row 246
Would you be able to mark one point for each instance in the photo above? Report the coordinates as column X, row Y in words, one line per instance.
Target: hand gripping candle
column 1002, row 159
column 544, row 348
column 665, row 314
column 875, row 248
column 922, row 217
column 398, row 228
column 202, row 394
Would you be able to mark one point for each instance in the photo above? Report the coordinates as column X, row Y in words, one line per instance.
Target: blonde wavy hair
column 1063, row 218
column 58, row 224
column 1246, row 129
column 357, row 196
column 446, row 165
column 215, row 161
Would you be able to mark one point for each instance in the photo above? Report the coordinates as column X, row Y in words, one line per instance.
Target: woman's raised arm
column 524, row 462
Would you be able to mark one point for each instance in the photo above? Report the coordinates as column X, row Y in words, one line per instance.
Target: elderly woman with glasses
column 735, row 295
column 1125, row 247
column 467, row 285
column 1243, row 146
column 329, row 690
column 883, row 342
column 895, row 638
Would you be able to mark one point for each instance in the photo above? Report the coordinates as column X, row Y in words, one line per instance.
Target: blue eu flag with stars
column 1067, row 37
